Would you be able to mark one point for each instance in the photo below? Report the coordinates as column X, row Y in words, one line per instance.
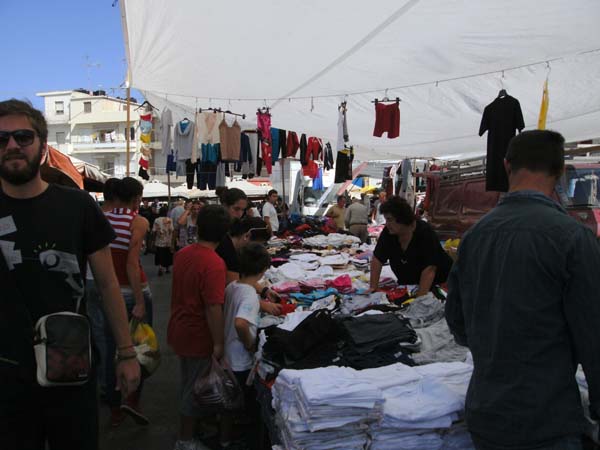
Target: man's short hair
column 399, row 209
column 213, row 223
column 255, row 225
column 110, row 189
column 537, row 151
column 271, row 192
column 14, row 107
column 340, row 197
column 128, row 189
column 254, row 259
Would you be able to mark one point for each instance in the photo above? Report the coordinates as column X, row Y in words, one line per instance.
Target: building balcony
column 103, row 147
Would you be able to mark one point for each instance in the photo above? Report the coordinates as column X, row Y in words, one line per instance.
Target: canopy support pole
column 128, row 131
column 169, row 188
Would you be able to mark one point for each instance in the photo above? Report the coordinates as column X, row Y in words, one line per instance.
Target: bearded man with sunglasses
column 47, row 234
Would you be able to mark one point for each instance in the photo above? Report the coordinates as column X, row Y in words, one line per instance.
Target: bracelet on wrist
column 126, row 357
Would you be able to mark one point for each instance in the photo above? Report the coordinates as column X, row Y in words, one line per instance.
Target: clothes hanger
column 502, row 93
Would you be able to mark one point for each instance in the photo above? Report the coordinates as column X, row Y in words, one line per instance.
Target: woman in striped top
column 130, row 228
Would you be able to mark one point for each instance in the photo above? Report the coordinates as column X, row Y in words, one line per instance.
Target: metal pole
column 283, row 181
column 169, row 188
column 127, row 130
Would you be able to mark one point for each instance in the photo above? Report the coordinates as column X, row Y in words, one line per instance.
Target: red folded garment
column 287, row 308
column 342, row 283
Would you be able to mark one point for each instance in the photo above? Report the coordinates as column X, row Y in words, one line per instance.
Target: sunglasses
column 23, row 138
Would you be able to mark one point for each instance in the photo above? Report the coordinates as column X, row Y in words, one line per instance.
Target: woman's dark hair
column 230, row 197
column 110, row 189
column 537, row 151
column 128, row 189
column 162, row 212
column 213, row 223
column 255, row 225
column 253, row 259
column 399, row 209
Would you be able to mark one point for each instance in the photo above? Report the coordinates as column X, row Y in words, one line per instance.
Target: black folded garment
column 369, row 332
column 283, row 346
column 379, row 358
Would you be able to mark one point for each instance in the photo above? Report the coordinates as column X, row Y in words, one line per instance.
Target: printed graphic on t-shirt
column 7, row 225
column 59, row 264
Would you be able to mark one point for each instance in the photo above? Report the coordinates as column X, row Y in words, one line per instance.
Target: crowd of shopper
column 521, row 295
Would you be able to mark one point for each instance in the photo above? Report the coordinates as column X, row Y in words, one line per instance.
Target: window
column 59, row 107
column 87, row 107
column 60, row 137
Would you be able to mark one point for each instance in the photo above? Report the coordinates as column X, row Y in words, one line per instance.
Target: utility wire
column 377, row 90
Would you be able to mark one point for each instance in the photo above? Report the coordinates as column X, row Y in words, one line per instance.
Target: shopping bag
column 145, row 345
column 217, row 388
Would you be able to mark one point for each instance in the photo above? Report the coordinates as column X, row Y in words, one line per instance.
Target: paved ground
column 159, row 399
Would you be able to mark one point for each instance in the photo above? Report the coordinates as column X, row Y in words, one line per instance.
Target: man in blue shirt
column 524, row 298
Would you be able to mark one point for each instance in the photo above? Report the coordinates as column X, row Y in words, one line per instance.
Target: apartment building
column 92, row 126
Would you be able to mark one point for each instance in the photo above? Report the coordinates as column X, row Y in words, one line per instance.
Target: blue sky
column 45, row 44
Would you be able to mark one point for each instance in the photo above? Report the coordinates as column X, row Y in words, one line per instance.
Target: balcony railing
column 119, row 145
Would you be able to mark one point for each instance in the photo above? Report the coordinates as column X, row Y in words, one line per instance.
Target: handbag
column 62, row 343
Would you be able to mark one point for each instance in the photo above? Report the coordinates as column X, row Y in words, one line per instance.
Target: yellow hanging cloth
column 544, row 107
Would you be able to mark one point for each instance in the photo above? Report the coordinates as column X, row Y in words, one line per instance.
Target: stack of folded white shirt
column 421, row 404
column 325, row 408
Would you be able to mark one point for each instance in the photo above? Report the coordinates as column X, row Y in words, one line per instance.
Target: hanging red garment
column 387, row 118
column 146, row 117
column 310, row 169
column 263, row 123
column 144, row 163
column 314, row 149
column 292, row 144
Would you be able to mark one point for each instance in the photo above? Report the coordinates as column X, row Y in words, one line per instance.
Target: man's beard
column 21, row 176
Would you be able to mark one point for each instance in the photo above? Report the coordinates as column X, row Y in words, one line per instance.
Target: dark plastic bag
column 217, row 388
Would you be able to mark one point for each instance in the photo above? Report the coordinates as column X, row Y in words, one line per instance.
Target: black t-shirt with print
column 227, row 252
column 423, row 250
column 45, row 241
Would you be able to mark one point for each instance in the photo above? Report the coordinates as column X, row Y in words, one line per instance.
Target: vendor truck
column 456, row 197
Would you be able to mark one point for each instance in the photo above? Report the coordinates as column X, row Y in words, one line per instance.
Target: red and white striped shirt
column 121, row 220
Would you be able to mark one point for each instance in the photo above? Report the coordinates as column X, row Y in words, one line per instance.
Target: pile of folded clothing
column 335, row 240
column 358, row 303
column 296, row 271
column 438, row 345
column 422, row 406
column 392, row 407
column 375, row 339
column 424, row 311
column 325, row 408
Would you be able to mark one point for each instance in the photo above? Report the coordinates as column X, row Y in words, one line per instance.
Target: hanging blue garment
column 318, row 181
column 359, row 182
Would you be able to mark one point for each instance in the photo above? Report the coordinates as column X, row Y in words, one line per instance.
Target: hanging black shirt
column 423, row 250
column 343, row 166
column 500, row 119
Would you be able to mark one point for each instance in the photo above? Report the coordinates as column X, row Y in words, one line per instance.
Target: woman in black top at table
column 412, row 247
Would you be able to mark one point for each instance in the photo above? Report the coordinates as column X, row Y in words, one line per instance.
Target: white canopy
column 155, row 189
column 446, row 60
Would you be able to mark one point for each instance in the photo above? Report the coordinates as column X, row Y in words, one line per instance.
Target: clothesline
column 378, row 90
